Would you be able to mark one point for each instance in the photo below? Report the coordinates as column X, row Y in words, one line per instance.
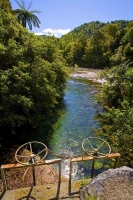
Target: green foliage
column 94, row 50
column 92, row 197
column 98, row 164
column 98, row 45
column 84, row 182
column 32, row 77
column 5, row 6
column 112, row 30
column 117, row 98
column 86, row 29
column 118, row 86
column 128, row 37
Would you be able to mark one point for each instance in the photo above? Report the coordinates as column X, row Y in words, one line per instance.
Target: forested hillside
column 98, row 44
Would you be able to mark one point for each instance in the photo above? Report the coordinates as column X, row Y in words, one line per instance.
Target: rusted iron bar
column 92, row 169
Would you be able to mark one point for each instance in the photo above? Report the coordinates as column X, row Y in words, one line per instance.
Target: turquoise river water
column 76, row 123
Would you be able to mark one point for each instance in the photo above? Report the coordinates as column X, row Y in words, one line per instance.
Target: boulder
column 113, row 184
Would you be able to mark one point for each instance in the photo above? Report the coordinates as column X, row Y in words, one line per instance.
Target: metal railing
column 6, row 167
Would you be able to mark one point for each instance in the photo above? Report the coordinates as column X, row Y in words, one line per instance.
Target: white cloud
column 38, row 33
column 55, row 32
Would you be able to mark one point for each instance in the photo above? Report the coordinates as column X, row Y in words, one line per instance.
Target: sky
column 58, row 17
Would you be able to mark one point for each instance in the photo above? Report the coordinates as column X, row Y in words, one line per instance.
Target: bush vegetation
column 32, row 78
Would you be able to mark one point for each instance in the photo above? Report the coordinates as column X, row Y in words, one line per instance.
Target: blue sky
column 58, row 17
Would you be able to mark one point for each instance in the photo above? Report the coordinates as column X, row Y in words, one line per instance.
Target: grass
column 91, row 198
column 84, row 183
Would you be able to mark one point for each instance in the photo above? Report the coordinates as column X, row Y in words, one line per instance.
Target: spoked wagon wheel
column 31, row 153
column 96, row 147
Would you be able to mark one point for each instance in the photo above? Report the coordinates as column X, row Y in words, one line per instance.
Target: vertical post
column 92, row 169
column 59, row 171
column 34, row 177
column 4, row 179
column 116, row 161
column 70, row 173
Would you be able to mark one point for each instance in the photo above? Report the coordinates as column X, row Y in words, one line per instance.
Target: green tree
column 128, row 38
column 26, row 16
column 118, row 86
column 116, row 96
column 68, row 54
column 112, row 30
column 5, row 6
column 94, row 50
column 31, row 82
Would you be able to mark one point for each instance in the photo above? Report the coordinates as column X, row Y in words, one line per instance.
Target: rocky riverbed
column 89, row 74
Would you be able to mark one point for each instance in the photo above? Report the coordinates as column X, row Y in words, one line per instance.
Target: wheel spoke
column 23, row 156
column 90, row 144
column 101, row 145
column 103, row 154
column 30, row 147
column 40, row 152
column 26, row 146
column 33, row 161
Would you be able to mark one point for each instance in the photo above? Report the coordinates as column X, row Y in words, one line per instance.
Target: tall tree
column 26, row 16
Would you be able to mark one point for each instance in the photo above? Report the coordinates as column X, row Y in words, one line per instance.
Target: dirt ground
column 54, row 191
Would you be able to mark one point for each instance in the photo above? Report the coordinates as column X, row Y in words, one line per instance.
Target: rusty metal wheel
column 31, row 153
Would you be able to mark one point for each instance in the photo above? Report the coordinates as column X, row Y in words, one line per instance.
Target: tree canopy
column 5, row 6
column 116, row 96
column 98, row 45
column 32, row 79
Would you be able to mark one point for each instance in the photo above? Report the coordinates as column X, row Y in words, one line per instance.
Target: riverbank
column 89, row 74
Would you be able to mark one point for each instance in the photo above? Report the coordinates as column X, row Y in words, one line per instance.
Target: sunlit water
column 74, row 125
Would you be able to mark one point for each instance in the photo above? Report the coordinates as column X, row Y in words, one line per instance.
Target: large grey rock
column 113, row 184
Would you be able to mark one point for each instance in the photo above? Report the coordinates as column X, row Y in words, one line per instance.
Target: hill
column 98, row 45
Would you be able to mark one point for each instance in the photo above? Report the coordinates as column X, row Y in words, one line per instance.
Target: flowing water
column 75, row 123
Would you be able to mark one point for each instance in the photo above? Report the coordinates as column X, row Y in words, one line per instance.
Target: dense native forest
column 34, row 71
column 32, row 78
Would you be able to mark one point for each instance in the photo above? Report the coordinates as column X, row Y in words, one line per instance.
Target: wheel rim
column 96, row 147
column 31, row 153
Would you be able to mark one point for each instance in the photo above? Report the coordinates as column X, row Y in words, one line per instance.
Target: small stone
column 48, row 187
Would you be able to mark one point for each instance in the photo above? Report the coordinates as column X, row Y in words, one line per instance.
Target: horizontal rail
column 18, row 165
column 54, row 161
column 86, row 158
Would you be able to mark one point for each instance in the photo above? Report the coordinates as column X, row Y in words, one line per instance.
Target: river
column 76, row 122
